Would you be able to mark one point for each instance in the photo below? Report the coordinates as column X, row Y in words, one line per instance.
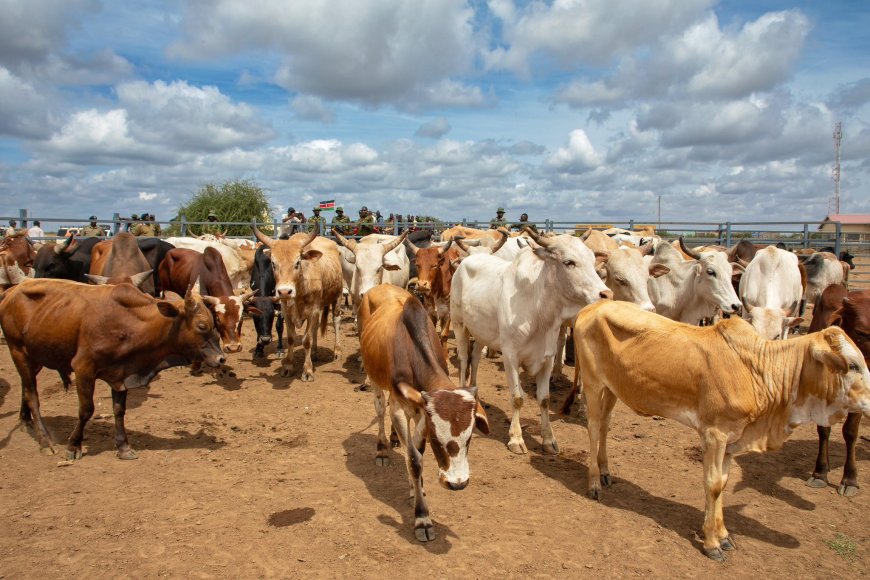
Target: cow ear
column 656, row 270
column 412, row 394
column 96, row 279
column 167, row 309
column 542, row 253
column 829, row 355
column 312, row 255
column 481, row 421
column 601, row 258
column 267, row 252
column 253, row 310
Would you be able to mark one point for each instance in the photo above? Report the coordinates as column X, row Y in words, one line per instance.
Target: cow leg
column 336, row 327
column 29, row 412
column 287, row 361
column 381, row 459
column 715, row 534
column 462, row 352
column 511, row 371
column 819, row 478
column 119, row 408
column 725, row 541
column 309, row 343
column 476, row 352
column 599, row 404
column 85, row 390
column 424, row 531
column 558, row 360
column 849, row 484
column 279, row 328
column 548, row 440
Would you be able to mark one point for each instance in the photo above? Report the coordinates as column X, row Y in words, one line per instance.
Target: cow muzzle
column 285, row 293
column 264, row 339
column 424, row 287
column 453, row 485
column 231, row 348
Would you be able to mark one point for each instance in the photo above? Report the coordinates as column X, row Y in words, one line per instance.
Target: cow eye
column 853, row 367
column 621, row 280
column 201, row 326
column 568, row 263
column 298, row 264
column 711, row 272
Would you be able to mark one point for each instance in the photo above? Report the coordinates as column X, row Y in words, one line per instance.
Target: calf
column 262, row 306
column 403, row 358
column 181, row 267
column 836, row 306
column 738, row 391
column 113, row 333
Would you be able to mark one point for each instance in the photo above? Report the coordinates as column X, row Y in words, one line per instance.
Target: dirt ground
column 261, row 476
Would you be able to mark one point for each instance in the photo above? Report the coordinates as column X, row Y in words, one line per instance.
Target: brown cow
column 120, row 260
column 836, row 306
column 404, row 359
column 113, row 333
column 16, row 260
column 738, row 391
column 435, row 267
column 181, row 267
column 308, row 282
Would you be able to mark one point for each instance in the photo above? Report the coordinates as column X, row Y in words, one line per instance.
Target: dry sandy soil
column 260, row 476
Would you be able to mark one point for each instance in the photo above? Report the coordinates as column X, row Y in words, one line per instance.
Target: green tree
column 233, row 201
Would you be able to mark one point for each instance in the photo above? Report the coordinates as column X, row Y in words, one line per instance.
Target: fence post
column 630, row 225
column 22, row 217
column 719, row 232
column 839, row 227
column 183, row 225
column 727, row 233
column 806, row 235
column 116, row 223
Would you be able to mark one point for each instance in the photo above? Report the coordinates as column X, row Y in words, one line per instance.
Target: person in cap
column 342, row 220
column 316, row 220
column 289, row 223
column 10, row 231
column 498, row 221
column 524, row 222
column 212, row 227
column 92, row 230
column 365, row 225
column 144, row 228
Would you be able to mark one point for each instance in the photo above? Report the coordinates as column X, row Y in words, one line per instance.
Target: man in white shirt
column 35, row 232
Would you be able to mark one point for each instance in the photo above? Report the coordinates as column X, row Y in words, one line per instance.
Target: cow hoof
column 127, row 454
column 847, row 490
column 594, row 493
column 425, row 533
column 518, row 447
column 47, row 450
column 73, row 454
column 551, row 448
column 727, row 544
column 281, row 353
column 382, row 461
column 285, row 372
column 816, row 482
column 307, row 377
column 714, row 554
column 196, row 373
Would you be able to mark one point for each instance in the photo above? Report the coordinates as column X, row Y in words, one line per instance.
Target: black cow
column 68, row 260
column 154, row 250
column 262, row 306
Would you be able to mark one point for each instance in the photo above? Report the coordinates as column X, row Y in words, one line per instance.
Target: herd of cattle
column 122, row 310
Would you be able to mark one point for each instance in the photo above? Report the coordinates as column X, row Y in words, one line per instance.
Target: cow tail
column 324, row 318
column 572, row 395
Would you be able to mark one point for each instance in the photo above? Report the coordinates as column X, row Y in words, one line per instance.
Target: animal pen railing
column 794, row 235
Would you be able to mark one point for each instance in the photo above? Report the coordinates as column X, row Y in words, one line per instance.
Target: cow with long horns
column 377, row 259
column 308, row 282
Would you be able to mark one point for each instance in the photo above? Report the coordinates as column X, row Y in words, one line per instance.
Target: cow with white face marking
column 517, row 307
column 696, row 289
column 404, row 360
column 377, row 259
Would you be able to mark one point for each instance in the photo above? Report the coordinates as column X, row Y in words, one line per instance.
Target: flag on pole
column 328, row 205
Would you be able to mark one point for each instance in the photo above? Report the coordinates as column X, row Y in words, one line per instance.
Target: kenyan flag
column 328, row 205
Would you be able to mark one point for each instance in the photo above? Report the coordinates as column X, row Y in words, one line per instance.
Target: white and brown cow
column 403, row 358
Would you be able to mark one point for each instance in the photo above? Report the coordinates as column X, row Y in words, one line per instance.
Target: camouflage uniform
column 145, row 229
column 92, row 231
column 212, row 228
column 365, row 225
column 316, row 219
column 342, row 219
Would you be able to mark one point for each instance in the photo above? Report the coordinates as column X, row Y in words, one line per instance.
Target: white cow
column 771, row 290
column 377, row 259
column 625, row 272
column 239, row 261
column 517, row 307
column 823, row 269
column 693, row 289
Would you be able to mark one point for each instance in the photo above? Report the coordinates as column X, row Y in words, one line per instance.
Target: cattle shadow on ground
column 100, row 437
column 682, row 519
column 796, row 460
column 5, row 387
column 389, row 485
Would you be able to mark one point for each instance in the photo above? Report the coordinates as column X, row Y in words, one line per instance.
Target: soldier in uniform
column 315, row 220
column 92, row 230
column 524, row 221
column 498, row 221
column 340, row 218
column 365, row 225
column 212, row 227
column 144, row 228
column 10, row 231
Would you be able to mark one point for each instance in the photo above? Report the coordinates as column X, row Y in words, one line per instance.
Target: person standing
column 289, row 223
column 92, row 230
column 498, row 221
column 524, row 222
column 35, row 232
column 145, row 228
column 10, row 231
column 365, row 225
column 316, row 220
column 343, row 220
column 212, row 227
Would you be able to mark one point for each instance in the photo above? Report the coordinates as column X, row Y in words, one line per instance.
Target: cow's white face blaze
column 451, row 417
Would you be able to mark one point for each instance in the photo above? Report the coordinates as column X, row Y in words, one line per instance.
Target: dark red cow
column 435, row 267
column 181, row 268
column 836, row 306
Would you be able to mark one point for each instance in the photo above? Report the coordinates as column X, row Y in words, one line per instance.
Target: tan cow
column 404, row 360
column 307, row 282
column 738, row 391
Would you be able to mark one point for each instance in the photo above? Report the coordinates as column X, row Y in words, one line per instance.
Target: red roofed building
column 855, row 227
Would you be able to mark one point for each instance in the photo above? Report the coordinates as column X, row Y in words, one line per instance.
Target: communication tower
column 834, row 202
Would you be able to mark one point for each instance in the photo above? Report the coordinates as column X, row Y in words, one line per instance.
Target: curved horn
column 504, row 237
column 743, row 263
column 414, row 248
column 267, row 241
column 446, row 247
column 586, row 235
column 97, row 279
column 536, row 237
column 646, row 249
column 247, row 295
column 389, row 247
column 138, row 279
column 689, row 252
column 61, row 248
column 313, row 234
column 342, row 241
column 460, row 243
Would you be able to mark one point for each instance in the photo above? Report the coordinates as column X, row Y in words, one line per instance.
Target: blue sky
column 575, row 110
